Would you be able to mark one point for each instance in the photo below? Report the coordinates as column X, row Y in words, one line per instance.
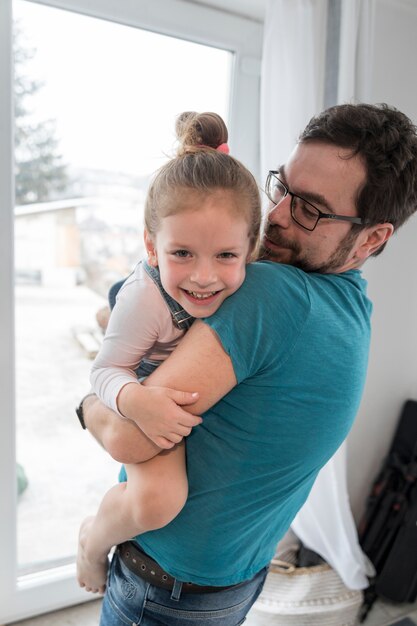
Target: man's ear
column 373, row 238
column 150, row 249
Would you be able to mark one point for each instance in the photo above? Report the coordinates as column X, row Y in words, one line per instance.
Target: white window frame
column 55, row 588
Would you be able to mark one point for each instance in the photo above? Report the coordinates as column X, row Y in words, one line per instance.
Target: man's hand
column 158, row 413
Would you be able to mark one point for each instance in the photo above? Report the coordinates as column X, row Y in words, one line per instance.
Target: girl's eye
column 227, row 255
column 182, row 254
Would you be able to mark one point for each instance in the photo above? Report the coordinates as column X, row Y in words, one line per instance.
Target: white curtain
column 325, row 524
column 292, row 88
column 292, row 74
column 293, row 68
column 356, row 45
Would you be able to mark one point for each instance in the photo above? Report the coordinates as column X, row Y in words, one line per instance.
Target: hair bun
column 195, row 130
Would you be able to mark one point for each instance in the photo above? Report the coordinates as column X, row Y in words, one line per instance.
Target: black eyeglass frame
column 321, row 215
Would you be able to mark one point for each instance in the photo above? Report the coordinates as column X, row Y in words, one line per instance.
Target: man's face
column 330, row 178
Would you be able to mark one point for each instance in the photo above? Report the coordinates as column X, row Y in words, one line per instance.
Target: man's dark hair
column 386, row 140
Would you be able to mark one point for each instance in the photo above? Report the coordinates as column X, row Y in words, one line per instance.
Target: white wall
column 392, row 376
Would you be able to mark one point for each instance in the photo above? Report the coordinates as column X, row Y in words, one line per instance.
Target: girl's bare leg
column 153, row 495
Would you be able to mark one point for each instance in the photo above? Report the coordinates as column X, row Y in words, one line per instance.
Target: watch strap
column 80, row 410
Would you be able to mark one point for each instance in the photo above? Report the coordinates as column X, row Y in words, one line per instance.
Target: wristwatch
column 80, row 411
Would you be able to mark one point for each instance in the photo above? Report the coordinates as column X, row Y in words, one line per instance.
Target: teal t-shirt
column 299, row 347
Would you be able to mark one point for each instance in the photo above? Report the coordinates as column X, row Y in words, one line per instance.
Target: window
column 95, row 103
column 91, row 127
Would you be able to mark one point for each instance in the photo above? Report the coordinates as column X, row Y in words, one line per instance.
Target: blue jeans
column 130, row 601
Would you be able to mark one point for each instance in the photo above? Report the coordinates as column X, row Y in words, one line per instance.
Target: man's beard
column 302, row 261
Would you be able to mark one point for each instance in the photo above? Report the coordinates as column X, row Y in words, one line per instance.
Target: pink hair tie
column 223, row 148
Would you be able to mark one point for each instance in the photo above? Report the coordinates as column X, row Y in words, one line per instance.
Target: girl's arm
column 139, row 320
column 135, row 325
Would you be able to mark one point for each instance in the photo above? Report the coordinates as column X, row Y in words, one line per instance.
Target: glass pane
column 95, row 110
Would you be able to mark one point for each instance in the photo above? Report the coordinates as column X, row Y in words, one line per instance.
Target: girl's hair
column 199, row 167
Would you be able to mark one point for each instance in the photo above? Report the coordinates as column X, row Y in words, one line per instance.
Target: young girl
column 202, row 221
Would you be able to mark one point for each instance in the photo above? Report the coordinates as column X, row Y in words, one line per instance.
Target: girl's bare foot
column 91, row 573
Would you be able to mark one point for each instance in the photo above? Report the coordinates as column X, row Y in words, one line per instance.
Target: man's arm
column 198, row 364
column 121, row 438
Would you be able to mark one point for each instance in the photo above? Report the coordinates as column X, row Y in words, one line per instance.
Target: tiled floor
column 81, row 615
column 382, row 614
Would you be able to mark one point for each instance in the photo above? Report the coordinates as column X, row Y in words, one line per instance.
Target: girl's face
column 202, row 251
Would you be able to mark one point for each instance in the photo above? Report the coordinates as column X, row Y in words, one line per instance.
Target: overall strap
column 180, row 317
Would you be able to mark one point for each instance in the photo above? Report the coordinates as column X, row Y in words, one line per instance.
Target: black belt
column 146, row 568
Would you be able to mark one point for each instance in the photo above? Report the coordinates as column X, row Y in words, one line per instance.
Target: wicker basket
column 308, row 596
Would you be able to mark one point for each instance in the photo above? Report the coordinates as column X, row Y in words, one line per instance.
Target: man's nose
column 280, row 214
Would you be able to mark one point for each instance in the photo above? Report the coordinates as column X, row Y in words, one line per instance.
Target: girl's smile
column 201, row 299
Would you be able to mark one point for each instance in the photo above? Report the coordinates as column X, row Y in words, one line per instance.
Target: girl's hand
column 158, row 413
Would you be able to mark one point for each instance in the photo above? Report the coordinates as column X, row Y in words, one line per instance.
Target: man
column 279, row 370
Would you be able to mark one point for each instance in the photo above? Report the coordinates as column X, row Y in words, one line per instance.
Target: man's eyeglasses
column 303, row 213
